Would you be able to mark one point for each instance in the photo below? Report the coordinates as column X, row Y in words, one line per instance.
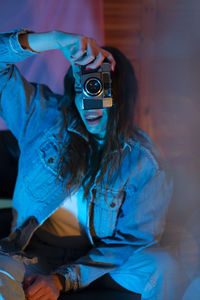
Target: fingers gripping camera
column 96, row 87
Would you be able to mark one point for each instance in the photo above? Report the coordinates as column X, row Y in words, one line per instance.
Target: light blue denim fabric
column 127, row 215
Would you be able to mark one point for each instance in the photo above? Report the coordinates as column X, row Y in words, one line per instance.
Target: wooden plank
column 129, row 26
column 147, row 32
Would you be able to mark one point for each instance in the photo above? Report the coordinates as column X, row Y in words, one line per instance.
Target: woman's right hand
column 81, row 50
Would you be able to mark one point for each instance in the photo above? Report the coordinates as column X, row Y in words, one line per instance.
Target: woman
column 90, row 196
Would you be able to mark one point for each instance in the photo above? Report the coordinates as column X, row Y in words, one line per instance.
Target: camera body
column 96, row 87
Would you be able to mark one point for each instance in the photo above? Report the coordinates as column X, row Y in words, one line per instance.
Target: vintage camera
column 96, row 87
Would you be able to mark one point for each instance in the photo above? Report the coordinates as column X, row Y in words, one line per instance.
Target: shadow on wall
column 175, row 117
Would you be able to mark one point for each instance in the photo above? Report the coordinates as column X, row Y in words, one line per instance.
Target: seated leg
column 152, row 272
column 11, row 278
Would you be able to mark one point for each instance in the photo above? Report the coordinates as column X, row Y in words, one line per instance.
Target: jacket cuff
column 23, row 40
column 72, row 279
column 15, row 44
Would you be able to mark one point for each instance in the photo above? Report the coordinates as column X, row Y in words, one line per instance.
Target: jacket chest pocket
column 49, row 154
column 40, row 179
column 105, row 210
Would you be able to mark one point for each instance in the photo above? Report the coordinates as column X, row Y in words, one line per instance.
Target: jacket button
column 112, row 204
column 50, row 160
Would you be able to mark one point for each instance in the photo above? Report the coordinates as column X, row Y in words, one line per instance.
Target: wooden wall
column 129, row 25
column 162, row 39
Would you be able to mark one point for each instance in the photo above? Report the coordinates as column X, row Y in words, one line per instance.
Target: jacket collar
column 75, row 125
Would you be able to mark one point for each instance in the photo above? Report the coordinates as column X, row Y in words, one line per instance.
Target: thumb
column 29, row 280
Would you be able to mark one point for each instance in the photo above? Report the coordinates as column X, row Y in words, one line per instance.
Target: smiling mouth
column 93, row 119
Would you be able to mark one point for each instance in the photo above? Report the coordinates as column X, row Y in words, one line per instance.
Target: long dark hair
column 80, row 161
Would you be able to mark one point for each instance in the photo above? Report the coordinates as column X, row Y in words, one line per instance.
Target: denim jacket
column 123, row 217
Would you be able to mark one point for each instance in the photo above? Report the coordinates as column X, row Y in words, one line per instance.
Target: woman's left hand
column 76, row 48
column 42, row 287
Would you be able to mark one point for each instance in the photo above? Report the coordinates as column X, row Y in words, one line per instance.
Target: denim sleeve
column 23, row 105
column 140, row 224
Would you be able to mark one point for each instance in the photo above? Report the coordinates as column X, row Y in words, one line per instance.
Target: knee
column 165, row 279
column 163, row 274
column 149, row 272
column 166, row 266
column 12, row 267
column 166, row 262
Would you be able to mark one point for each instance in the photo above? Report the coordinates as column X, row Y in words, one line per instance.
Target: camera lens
column 93, row 86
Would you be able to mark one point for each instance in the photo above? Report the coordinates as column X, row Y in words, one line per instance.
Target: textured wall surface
column 162, row 39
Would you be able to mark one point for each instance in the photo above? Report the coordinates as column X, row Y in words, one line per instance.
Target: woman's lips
column 93, row 118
